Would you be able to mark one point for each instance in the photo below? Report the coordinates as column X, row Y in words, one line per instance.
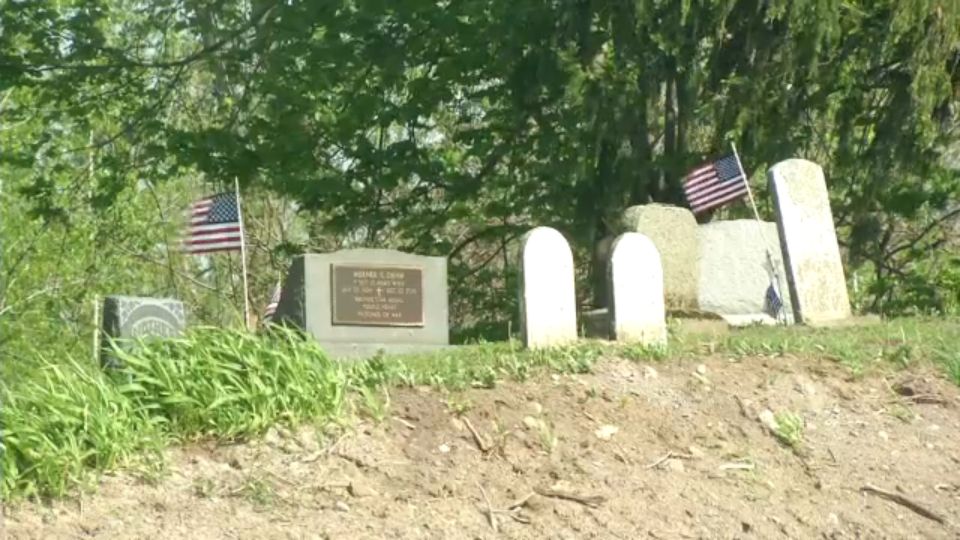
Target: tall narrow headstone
column 548, row 312
column 127, row 318
column 808, row 239
column 673, row 230
column 636, row 291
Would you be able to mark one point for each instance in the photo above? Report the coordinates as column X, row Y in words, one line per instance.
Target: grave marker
column 359, row 301
column 548, row 312
column 131, row 318
column 808, row 239
column 734, row 274
column 636, row 306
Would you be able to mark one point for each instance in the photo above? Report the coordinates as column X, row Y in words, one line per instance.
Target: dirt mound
column 674, row 450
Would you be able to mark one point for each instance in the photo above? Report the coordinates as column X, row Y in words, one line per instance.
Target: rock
column 767, row 418
column 606, row 432
column 702, row 369
column 695, row 452
column 883, row 435
column 536, row 408
column 308, row 440
column 444, row 448
column 833, row 519
column 272, row 437
column 531, row 423
column 341, row 506
column 457, row 424
column 649, row 372
column 673, row 464
column 359, row 490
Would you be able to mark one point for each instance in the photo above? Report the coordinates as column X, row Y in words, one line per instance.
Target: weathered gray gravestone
column 636, row 291
column 548, row 311
column 673, row 231
column 132, row 318
column 809, row 242
column 357, row 302
column 735, row 274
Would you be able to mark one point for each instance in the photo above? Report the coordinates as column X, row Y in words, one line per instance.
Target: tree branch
column 256, row 20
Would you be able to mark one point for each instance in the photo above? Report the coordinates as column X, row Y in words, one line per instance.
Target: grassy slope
column 70, row 421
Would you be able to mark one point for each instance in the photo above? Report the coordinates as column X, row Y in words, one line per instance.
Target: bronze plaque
column 371, row 295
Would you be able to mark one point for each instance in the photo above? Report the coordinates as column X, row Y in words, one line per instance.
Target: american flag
column 773, row 302
column 214, row 225
column 715, row 184
column 271, row 308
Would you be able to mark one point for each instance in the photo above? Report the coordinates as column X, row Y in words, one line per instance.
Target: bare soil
column 672, row 450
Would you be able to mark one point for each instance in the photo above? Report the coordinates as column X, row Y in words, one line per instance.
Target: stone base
column 752, row 319
column 596, row 324
column 365, row 351
column 859, row 320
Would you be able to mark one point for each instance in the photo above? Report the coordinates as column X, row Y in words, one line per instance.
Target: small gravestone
column 673, row 231
column 360, row 301
column 808, row 239
column 636, row 291
column 548, row 312
column 127, row 318
column 735, row 274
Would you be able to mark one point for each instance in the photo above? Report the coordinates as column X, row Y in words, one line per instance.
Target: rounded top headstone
column 634, row 244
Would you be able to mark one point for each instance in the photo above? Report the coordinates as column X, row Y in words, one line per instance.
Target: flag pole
column 756, row 214
column 243, row 256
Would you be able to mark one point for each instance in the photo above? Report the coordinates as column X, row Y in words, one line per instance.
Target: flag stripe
column 216, row 228
column 213, row 239
column 716, row 191
column 271, row 308
column 226, row 246
column 720, row 202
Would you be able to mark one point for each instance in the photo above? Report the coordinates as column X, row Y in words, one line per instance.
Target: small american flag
column 773, row 302
column 715, row 184
column 214, row 225
column 271, row 308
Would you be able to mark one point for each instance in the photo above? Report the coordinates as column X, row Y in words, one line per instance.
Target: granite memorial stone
column 357, row 302
column 808, row 240
column 548, row 311
column 735, row 273
column 127, row 318
column 636, row 303
column 673, row 231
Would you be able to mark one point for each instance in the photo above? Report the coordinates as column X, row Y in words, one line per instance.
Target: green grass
column 789, row 429
column 68, row 421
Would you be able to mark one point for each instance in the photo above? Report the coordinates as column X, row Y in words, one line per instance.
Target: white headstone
column 548, row 312
column 735, row 274
column 636, row 291
column 809, row 242
column 674, row 231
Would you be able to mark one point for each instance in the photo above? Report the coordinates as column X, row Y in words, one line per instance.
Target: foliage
column 232, row 384
column 789, row 429
column 402, row 124
column 66, row 425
